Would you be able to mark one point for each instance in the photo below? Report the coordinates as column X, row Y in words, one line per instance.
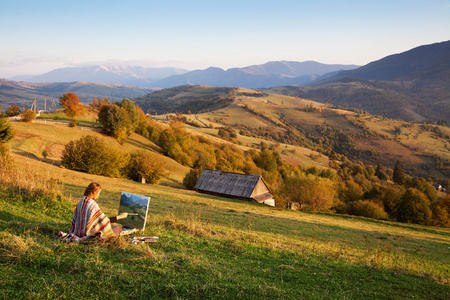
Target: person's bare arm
column 121, row 216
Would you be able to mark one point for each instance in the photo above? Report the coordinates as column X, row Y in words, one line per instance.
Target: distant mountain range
column 257, row 76
column 413, row 85
column 123, row 74
column 271, row 74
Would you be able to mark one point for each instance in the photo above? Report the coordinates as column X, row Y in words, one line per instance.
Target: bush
column 28, row 115
column 92, row 155
column 369, row 209
column 143, row 164
column 192, row 177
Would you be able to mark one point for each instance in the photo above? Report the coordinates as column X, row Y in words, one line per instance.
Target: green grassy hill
column 209, row 247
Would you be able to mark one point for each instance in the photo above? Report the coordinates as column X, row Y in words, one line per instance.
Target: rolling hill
column 295, row 121
column 208, row 246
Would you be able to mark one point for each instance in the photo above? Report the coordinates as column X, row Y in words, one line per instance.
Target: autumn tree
column 13, row 110
column 115, row 121
column 309, row 192
column 71, row 106
column 414, row 207
column 145, row 165
column 398, row 176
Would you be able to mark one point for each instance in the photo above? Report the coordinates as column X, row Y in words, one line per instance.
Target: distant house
column 437, row 186
column 234, row 185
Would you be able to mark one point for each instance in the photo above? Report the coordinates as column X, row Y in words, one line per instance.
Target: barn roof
column 226, row 183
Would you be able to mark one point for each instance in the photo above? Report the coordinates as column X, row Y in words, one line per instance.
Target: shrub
column 192, row 177
column 92, row 155
column 367, row 208
column 28, row 115
column 143, row 164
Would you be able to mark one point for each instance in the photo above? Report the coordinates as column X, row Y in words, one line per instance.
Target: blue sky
column 39, row 36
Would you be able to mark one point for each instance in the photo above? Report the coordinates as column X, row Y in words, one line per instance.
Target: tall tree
column 414, row 207
column 115, row 121
column 398, row 176
column 71, row 106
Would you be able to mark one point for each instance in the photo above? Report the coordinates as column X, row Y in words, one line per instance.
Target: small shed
column 234, row 185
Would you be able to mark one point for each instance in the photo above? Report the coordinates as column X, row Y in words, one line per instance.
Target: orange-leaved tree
column 71, row 106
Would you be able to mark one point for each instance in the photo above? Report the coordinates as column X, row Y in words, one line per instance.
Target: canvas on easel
column 137, row 207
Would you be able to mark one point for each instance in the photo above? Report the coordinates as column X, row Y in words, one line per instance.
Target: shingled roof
column 242, row 186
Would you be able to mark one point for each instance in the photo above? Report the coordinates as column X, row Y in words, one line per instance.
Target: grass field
column 209, row 247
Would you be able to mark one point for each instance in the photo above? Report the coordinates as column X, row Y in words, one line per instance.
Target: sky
column 39, row 36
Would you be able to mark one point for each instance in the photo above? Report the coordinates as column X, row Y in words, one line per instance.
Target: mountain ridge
column 270, row 74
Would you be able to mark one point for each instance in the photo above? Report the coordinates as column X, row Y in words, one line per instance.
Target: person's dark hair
column 92, row 190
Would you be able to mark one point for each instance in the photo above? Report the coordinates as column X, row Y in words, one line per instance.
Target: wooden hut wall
column 260, row 188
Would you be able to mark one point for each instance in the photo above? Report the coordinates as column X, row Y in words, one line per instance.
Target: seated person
column 88, row 220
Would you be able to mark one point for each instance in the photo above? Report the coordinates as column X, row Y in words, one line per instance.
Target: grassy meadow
column 209, row 247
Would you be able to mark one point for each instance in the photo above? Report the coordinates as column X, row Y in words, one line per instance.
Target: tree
column 71, row 106
column 441, row 212
column 379, row 173
column 115, row 121
column 133, row 112
column 425, row 187
column 414, row 207
column 142, row 164
column 398, row 176
column 28, row 115
column 6, row 134
column 13, row 110
column 309, row 192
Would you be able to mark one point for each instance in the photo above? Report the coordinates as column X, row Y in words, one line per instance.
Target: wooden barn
column 234, row 185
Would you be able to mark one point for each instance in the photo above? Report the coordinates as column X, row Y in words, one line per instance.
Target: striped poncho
column 88, row 220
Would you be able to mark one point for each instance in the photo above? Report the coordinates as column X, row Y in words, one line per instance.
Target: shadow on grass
column 29, row 155
column 139, row 144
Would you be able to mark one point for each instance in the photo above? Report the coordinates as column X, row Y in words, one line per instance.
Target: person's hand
column 122, row 216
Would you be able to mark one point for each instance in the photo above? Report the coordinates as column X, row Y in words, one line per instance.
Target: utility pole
column 34, row 105
column 45, row 103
